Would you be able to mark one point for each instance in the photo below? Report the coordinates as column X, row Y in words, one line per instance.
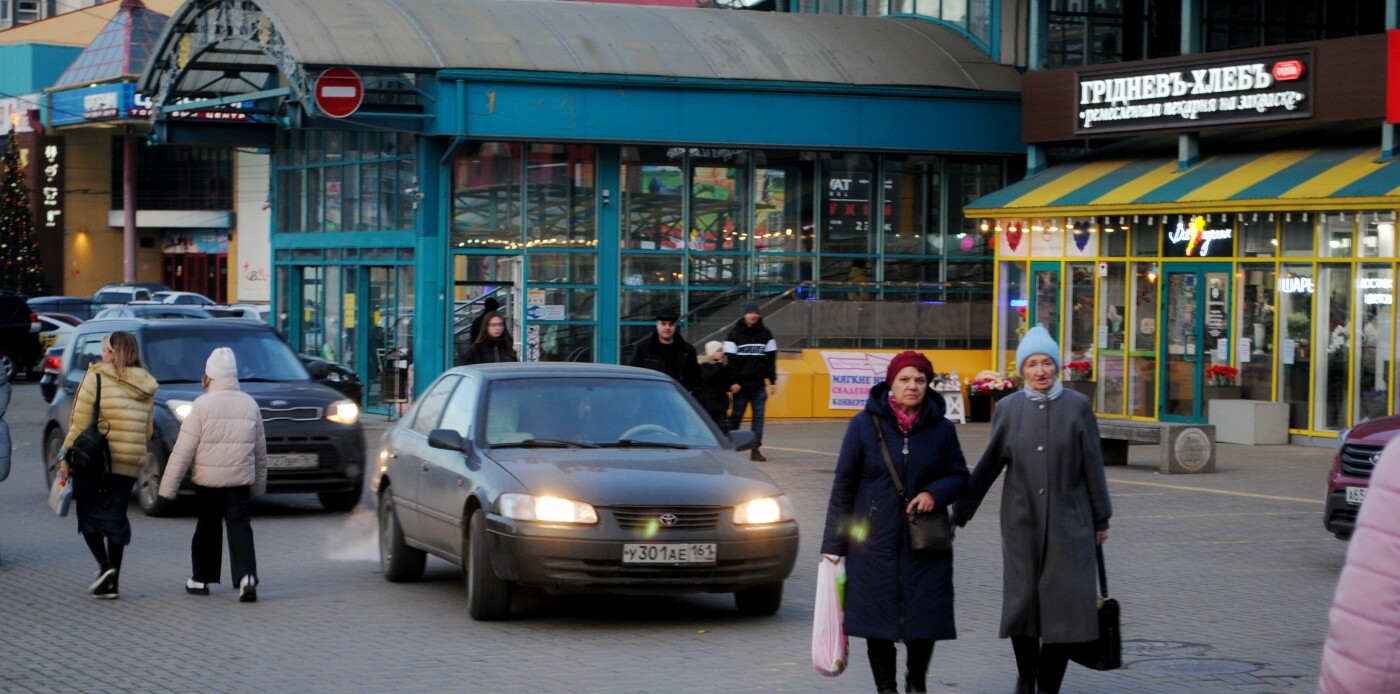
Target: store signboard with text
column 853, row 374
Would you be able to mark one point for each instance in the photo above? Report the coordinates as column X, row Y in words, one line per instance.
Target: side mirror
column 743, row 439
column 446, row 439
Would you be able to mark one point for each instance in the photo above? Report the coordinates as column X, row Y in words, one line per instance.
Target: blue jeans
column 758, row 397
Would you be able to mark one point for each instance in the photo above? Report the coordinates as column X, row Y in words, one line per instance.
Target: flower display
column 946, row 381
column 1080, row 370
column 993, row 383
column 1222, row 375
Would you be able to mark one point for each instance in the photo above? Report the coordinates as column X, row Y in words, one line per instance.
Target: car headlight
column 547, row 509
column 179, row 408
column 344, row 412
column 1342, row 438
column 333, row 376
column 773, row 509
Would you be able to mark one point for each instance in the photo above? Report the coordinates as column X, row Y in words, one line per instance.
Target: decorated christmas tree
column 20, row 270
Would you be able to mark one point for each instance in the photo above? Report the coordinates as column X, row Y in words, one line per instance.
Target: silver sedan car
column 578, row 477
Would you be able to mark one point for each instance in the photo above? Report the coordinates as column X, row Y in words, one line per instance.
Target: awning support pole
column 1188, row 150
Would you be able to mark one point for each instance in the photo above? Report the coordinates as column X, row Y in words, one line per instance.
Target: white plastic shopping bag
column 829, row 643
column 60, row 495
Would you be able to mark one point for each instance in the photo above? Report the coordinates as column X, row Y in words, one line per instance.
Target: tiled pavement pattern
column 1225, row 582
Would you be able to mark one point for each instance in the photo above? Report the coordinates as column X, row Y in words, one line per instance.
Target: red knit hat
column 908, row 358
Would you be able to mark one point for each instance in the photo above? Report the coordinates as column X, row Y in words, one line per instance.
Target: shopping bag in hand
column 829, row 644
column 60, row 495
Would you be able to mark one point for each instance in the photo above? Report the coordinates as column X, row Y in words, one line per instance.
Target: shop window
column 1012, row 314
column 848, row 203
column 1294, row 317
column 1112, row 313
column 968, row 181
column 1259, row 233
column 486, row 182
column 1378, row 235
column 559, row 187
column 563, row 268
column 911, row 204
column 653, row 199
column 1113, row 242
column 642, row 304
column 784, row 200
column 1334, row 235
column 1375, row 297
column 1255, row 329
column 1296, row 234
column 1332, row 335
column 1146, row 238
column 1143, row 318
column 718, row 270
column 782, row 270
column 176, row 178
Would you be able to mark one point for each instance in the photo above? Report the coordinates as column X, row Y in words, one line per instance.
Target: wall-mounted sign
column 853, row 374
column 1193, row 239
column 116, row 101
column 1207, row 92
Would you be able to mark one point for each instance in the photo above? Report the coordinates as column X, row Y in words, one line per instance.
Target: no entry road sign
column 339, row 92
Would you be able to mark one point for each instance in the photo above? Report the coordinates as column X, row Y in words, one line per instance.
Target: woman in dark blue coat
column 892, row 593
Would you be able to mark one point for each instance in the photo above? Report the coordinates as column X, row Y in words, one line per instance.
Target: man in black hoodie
column 664, row 350
column 753, row 361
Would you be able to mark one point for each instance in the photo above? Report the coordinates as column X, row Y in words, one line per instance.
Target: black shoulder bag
column 928, row 532
column 90, row 457
column 1107, row 652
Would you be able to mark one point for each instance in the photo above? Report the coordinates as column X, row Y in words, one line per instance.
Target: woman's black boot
column 883, row 665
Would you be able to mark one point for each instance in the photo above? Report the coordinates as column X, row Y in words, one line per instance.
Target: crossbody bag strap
column 97, row 402
column 885, row 451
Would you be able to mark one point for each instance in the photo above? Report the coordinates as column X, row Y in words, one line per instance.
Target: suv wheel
column 148, row 489
column 9, row 364
column 400, row 562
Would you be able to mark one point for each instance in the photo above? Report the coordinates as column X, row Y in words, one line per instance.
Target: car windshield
column 178, row 356
column 593, row 412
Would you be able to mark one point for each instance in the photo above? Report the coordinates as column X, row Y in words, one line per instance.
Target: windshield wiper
column 544, row 443
column 637, row 443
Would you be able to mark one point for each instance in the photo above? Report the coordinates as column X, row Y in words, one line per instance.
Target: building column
column 129, row 205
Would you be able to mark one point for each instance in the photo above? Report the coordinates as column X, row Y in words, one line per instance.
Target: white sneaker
column 248, row 589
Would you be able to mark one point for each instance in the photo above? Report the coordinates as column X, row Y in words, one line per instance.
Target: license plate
column 1356, row 495
column 671, row 553
column 284, row 461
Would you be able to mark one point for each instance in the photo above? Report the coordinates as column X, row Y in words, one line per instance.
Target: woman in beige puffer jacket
column 222, row 445
column 128, row 397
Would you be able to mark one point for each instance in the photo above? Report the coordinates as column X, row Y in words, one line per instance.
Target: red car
column 1351, row 472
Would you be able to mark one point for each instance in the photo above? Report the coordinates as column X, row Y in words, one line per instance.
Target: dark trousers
column 885, row 666
column 758, row 398
column 1040, row 667
column 218, row 506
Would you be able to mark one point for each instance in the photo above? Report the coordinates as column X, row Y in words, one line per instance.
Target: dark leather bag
column 90, row 457
column 928, row 532
column 1107, row 652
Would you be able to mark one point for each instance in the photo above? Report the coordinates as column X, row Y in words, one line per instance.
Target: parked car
column 578, row 477
column 1350, row 476
column 148, row 309
column 182, row 298
column 315, row 441
column 335, row 375
column 260, row 312
column 54, row 328
column 122, row 292
column 19, row 336
column 77, row 306
column 53, row 362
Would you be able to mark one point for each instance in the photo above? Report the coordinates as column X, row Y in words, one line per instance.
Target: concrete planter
column 1250, row 422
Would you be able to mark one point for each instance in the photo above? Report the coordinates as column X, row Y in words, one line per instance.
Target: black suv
column 315, row 442
column 20, row 350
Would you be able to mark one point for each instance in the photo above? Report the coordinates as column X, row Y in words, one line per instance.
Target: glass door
column 1045, row 298
column 1196, row 320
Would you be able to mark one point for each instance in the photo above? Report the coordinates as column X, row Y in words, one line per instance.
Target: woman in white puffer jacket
column 222, row 440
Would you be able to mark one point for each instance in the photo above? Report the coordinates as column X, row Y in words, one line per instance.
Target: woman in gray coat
column 1054, row 511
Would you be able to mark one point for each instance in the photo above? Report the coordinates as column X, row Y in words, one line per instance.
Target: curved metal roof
column 574, row 38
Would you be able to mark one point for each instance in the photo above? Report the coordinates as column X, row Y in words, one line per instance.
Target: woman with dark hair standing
column 1054, row 511
column 128, row 396
column 494, row 344
column 892, row 592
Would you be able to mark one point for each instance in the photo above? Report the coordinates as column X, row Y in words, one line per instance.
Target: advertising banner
column 853, row 374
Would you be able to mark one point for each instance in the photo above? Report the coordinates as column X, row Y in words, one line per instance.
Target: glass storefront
column 1172, row 310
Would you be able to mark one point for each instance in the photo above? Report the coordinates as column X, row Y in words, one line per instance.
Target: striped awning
column 1330, row 178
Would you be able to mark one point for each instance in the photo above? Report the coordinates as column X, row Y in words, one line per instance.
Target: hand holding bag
column 1107, row 652
column 928, row 532
column 60, row 496
column 830, row 647
column 90, row 457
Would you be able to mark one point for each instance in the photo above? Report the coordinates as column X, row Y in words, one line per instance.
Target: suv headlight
column 547, row 509
column 773, row 509
column 1342, row 439
column 179, row 408
column 344, row 412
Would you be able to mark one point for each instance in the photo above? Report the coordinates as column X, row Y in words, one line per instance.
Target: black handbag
column 1107, row 652
column 928, row 532
column 90, row 457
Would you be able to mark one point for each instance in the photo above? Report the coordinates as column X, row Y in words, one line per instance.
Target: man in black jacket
column 666, row 351
column 753, row 360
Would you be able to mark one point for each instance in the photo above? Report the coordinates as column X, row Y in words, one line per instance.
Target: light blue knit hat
column 1037, row 340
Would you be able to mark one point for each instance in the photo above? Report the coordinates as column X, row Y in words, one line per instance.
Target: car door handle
column 423, row 467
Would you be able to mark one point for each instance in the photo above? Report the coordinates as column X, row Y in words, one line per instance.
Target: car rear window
column 595, row 411
column 178, row 356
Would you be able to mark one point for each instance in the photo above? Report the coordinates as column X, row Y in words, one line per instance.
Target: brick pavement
column 1225, row 582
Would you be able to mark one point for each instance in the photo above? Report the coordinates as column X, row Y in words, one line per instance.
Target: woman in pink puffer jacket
column 1362, row 654
column 221, row 442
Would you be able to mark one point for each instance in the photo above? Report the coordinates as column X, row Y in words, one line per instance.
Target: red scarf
column 905, row 421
